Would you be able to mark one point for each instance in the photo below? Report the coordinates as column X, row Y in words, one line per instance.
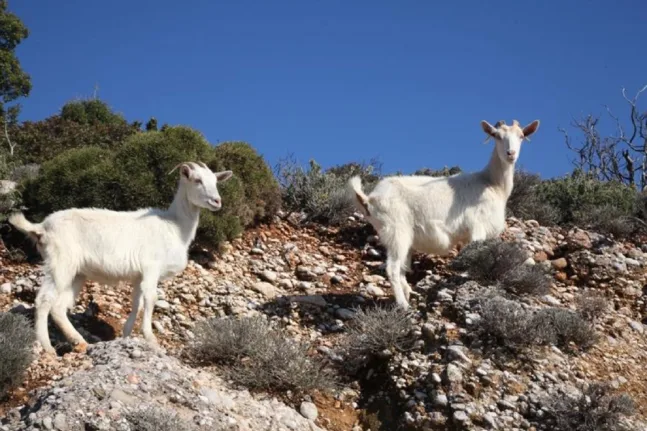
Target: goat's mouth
column 214, row 205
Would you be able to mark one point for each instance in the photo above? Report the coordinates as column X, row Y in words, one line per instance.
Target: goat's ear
column 223, row 176
column 488, row 129
column 530, row 129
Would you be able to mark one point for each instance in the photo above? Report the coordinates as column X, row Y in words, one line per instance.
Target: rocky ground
column 310, row 279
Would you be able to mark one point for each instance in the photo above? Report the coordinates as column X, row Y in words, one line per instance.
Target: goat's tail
column 357, row 195
column 34, row 231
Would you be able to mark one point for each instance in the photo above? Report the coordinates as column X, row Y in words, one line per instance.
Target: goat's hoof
column 81, row 347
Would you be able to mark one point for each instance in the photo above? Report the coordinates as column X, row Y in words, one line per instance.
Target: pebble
column 269, row 276
column 309, row 410
column 5, row 288
column 264, row 288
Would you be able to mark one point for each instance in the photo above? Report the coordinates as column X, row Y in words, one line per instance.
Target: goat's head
column 201, row 184
column 508, row 138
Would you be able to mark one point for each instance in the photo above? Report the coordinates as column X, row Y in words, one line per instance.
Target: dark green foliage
column 14, row 82
column 322, row 195
column 136, row 175
column 579, row 194
column 524, row 202
column 151, row 125
column 261, row 190
column 90, row 111
column 16, row 344
column 41, row 141
column 444, row 172
column 258, row 356
column 596, row 409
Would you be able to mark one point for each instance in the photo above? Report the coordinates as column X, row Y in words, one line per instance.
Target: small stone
column 136, row 354
column 560, row 263
column 549, row 299
column 374, row 290
column 269, row 276
column 308, row 410
column 453, row 374
column 257, row 252
column 5, row 288
column 305, row 273
column 47, row 423
column 344, row 313
column 317, row 300
column 429, row 331
column 456, row 353
column 460, row 416
column 60, row 422
column 637, row 326
column 162, row 304
column 440, row 400
column 265, row 289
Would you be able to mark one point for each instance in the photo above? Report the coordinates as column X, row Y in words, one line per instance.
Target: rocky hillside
column 455, row 373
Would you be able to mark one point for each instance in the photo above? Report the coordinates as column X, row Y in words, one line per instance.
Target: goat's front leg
column 149, row 294
column 478, row 233
column 43, row 304
column 65, row 301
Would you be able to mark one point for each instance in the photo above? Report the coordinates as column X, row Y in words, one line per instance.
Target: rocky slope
column 309, row 280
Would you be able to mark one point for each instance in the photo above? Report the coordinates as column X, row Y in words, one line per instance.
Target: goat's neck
column 500, row 174
column 185, row 215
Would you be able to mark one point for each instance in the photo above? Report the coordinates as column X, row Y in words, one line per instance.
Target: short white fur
column 434, row 214
column 141, row 247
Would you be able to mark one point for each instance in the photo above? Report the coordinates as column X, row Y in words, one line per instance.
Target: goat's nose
column 216, row 201
column 511, row 152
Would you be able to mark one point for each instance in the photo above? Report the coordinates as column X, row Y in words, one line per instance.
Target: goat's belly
column 111, row 278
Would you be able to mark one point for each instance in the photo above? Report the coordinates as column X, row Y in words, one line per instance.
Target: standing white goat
column 433, row 214
column 141, row 247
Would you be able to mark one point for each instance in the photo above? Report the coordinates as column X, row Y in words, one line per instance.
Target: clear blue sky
column 406, row 81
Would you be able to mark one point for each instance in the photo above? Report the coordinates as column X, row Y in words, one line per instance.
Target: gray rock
column 264, row 288
column 456, row 353
column 60, row 422
column 269, row 276
column 344, row 313
column 460, row 416
column 161, row 304
column 374, row 290
column 453, row 374
column 5, row 288
column 309, row 410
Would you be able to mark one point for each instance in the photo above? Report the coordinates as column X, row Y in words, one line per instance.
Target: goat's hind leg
column 67, row 294
column 47, row 295
column 398, row 246
column 149, row 295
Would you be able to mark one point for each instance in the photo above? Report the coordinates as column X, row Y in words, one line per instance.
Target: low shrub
column 255, row 355
column 322, row 195
column 16, row 349
column 376, row 332
column 577, row 195
column 509, row 324
column 525, row 203
column 157, row 419
column 596, row 409
column 527, row 280
column 592, row 305
column 490, row 260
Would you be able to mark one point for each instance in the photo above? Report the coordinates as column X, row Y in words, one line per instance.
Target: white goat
column 433, row 214
column 141, row 247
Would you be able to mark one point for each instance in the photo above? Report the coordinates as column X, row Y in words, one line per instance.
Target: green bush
column 16, row 339
column 89, row 112
column 576, row 196
column 525, row 203
column 261, row 190
column 136, row 175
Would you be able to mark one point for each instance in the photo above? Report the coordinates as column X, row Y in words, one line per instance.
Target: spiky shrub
column 257, row 356
column 320, row 193
column 509, row 324
column 591, row 305
column 596, row 409
column 16, row 349
column 490, row 260
column 373, row 332
column 152, row 418
column 527, row 280
column 525, row 203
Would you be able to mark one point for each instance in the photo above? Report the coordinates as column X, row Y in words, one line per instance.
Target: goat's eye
column 198, row 181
